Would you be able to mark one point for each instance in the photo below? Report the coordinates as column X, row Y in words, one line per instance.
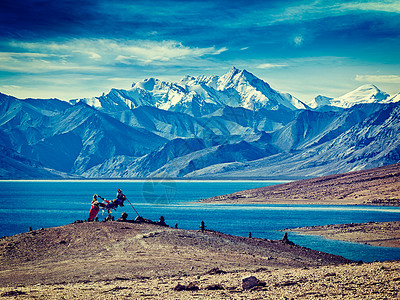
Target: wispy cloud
column 31, row 62
column 323, row 8
column 378, row 78
column 95, row 54
column 391, row 6
column 270, row 66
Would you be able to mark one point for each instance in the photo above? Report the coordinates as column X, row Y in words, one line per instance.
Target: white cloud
column 87, row 53
column 39, row 63
column 321, row 8
column 298, row 40
column 378, row 78
column 87, row 64
column 383, row 6
column 270, row 66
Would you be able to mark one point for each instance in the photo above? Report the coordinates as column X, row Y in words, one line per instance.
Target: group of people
column 106, row 205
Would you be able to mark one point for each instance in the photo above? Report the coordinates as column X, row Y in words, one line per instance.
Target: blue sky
column 72, row 49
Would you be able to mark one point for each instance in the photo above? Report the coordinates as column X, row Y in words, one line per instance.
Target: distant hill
column 378, row 186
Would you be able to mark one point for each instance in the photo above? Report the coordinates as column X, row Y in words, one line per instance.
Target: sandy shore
column 379, row 186
column 386, row 234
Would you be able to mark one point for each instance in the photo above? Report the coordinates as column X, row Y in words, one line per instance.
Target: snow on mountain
column 320, row 101
column 197, row 95
column 368, row 93
column 239, row 88
column 370, row 139
column 232, row 125
column 392, row 99
column 364, row 94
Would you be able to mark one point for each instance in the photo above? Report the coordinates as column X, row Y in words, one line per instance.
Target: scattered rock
column 190, row 287
column 214, row 287
column 161, row 221
column 109, row 218
column 249, row 282
column 115, row 289
column 123, row 217
column 12, row 293
column 286, row 283
column 215, row 271
column 285, row 240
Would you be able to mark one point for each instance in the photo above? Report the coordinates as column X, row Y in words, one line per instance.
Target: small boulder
column 285, row 240
column 123, row 217
column 190, row 287
column 214, row 287
column 249, row 282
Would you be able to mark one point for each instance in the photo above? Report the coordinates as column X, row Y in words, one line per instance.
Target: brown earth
column 379, row 186
column 113, row 259
column 116, row 260
column 365, row 281
column 108, row 250
column 386, row 234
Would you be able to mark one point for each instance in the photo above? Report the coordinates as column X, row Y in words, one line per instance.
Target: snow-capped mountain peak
column 147, row 84
column 237, row 88
column 235, row 78
column 367, row 93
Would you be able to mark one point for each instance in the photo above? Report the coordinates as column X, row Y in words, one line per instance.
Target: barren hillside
column 378, row 186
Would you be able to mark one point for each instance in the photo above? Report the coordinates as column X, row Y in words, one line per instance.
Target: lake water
column 54, row 203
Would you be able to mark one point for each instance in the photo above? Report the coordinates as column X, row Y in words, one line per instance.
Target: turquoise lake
column 53, row 203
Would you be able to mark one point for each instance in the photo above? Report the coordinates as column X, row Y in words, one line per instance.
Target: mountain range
column 232, row 126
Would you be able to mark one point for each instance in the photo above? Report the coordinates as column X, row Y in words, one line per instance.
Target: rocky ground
column 108, row 250
column 379, row 186
column 386, row 234
column 117, row 260
column 366, row 281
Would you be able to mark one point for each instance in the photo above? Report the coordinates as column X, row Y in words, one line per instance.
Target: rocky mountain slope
column 233, row 126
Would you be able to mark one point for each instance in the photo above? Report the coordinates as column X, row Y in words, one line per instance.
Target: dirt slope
column 100, row 251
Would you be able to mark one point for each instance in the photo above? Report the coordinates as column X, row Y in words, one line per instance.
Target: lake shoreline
column 383, row 234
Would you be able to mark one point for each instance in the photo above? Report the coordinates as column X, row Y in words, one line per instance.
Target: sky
column 69, row 49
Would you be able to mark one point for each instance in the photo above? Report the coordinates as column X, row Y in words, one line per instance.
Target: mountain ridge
column 234, row 125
